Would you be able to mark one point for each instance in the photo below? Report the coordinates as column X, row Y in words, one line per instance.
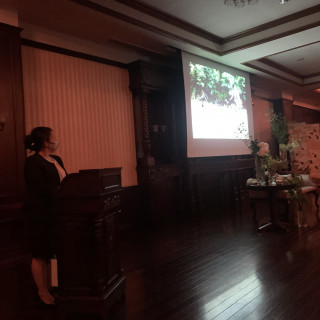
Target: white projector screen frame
column 227, row 139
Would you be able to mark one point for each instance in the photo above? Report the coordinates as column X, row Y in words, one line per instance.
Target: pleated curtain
column 89, row 107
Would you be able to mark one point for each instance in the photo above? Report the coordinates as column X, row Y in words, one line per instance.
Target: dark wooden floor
column 222, row 268
column 216, row 266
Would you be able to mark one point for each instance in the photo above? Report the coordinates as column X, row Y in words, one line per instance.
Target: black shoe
column 46, row 305
column 54, row 292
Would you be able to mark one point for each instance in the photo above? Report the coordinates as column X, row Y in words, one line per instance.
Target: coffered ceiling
column 281, row 41
column 270, row 40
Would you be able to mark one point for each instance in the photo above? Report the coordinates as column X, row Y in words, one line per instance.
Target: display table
column 271, row 192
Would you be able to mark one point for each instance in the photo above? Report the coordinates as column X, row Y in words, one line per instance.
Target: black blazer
column 41, row 178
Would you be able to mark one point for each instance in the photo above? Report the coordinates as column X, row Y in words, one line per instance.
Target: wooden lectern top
column 90, row 183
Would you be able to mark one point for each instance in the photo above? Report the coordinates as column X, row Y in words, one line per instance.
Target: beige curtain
column 88, row 105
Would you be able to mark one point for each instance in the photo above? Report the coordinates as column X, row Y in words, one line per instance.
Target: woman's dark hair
column 35, row 140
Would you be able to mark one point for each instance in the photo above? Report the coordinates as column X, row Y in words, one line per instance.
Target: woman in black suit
column 43, row 173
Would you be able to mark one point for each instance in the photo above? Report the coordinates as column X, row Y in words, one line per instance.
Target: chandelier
column 242, row 3
column 239, row 3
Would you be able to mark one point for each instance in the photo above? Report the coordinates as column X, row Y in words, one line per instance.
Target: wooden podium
column 86, row 209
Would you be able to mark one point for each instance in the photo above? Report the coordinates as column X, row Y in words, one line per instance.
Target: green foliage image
column 212, row 86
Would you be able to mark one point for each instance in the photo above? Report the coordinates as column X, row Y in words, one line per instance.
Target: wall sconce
column 3, row 121
column 155, row 128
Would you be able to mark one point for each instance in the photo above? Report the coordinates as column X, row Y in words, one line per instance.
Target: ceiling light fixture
column 239, row 3
column 243, row 3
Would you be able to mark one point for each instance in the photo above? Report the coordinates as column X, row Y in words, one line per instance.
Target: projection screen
column 218, row 108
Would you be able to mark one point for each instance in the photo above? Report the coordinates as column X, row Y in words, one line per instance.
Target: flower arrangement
column 260, row 151
column 257, row 148
column 264, row 149
column 274, row 165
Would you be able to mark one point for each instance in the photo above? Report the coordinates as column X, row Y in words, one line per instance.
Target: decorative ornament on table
column 259, row 150
column 286, row 150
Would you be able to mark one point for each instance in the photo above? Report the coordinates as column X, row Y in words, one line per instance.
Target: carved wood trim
column 8, row 29
column 145, row 120
column 160, row 172
column 222, row 166
column 111, row 202
column 111, row 243
column 72, row 53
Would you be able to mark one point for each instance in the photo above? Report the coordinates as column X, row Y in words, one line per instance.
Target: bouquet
column 257, row 148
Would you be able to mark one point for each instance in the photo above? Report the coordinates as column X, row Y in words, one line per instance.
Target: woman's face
column 53, row 143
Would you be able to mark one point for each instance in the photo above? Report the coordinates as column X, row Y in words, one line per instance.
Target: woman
column 43, row 173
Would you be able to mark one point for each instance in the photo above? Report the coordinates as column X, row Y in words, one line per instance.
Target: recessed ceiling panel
column 304, row 61
column 213, row 16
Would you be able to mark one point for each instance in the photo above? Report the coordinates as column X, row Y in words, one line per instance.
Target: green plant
column 274, row 165
column 295, row 194
column 253, row 146
column 279, row 128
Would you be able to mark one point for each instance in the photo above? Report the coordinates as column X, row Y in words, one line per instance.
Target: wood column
column 15, row 275
column 288, row 109
column 143, row 142
column 12, row 116
column 159, row 173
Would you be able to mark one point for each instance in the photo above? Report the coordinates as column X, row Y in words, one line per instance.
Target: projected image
column 217, row 104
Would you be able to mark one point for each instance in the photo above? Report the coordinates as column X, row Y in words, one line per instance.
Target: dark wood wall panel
column 295, row 113
column 15, row 274
column 11, row 109
column 218, row 182
column 300, row 114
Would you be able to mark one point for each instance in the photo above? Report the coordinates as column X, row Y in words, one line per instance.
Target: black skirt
column 41, row 232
